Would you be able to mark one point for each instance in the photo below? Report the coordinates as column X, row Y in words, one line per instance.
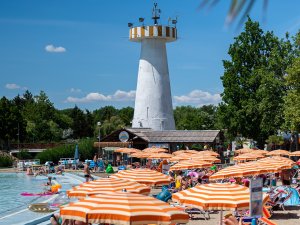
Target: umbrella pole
column 221, row 217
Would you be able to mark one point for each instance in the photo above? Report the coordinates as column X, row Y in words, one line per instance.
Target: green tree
column 193, row 118
column 10, row 120
column 126, row 114
column 275, row 140
column 39, row 115
column 79, row 122
column 104, row 113
column 110, row 125
column 292, row 99
column 254, row 84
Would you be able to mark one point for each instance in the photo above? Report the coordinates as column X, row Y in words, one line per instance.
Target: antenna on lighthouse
column 155, row 13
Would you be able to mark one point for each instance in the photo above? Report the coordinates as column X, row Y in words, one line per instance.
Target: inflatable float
column 40, row 207
column 36, row 194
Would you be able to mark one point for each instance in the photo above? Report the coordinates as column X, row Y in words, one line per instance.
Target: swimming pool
column 13, row 206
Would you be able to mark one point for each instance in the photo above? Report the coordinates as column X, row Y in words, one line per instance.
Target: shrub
column 85, row 146
column 5, row 161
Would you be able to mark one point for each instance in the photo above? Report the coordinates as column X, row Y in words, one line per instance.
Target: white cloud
column 198, row 97
column 12, row 86
column 15, row 86
column 95, row 96
column 75, row 90
column 53, row 49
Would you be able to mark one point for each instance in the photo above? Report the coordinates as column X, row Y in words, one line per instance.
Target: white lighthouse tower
column 153, row 101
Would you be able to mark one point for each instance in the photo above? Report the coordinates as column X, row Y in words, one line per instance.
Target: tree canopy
column 253, row 83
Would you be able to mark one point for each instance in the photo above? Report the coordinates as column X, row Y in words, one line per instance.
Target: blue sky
column 78, row 52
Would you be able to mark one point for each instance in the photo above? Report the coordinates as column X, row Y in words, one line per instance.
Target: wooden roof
column 142, row 135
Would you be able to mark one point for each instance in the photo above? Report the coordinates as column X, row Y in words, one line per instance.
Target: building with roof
column 172, row 140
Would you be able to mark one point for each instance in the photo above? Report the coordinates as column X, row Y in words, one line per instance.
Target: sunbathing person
column 55, row 219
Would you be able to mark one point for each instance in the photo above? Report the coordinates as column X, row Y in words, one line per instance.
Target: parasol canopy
column 76, row 154
column 216, row 196
column 296, row 153
column 178, row 152
column 261, row 166
column 160, row 156
column 107, row 185
column 208, row 158
column 127, row 150
column 244, row 150
column 143, row 176
column 155, row 150
column 190, row 164
column 208, row 152
column 123, row 208
column 140, row 155
column 279, row 152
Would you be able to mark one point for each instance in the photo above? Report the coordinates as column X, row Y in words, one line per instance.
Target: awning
column 111, row 144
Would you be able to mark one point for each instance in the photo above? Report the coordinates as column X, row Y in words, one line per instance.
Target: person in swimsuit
column 86, row 171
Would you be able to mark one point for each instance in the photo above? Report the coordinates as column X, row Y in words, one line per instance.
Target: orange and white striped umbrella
column 216, row 196
column 244, row 150
column 208, row 158
column 107, row 185
column 141, row 155
column 123, row 208
column 182, row 156
column 155, row 150
column 248, row 157
column 296, row 153
column 240, row 170
column 279, row 152
column 160, row 156
column 144, row 176
column 179, row 152
column 190, row 164
column 259, row 151
column 265, row 165
column 127, row 150
column 208, row 152
column 278, row 162
column 177, row 158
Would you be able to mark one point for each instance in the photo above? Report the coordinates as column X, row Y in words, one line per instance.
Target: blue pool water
column 14, row 207
column 11, row 187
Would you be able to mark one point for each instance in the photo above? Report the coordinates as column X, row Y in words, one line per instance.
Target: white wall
column 153, row 102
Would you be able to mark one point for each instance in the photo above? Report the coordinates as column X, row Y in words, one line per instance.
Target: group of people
column 190, row 178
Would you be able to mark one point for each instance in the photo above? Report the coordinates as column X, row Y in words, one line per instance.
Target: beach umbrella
column 160, row 156
column 144, row 176
column 107, row 185
column 123, row 208
column 76, row 154
column 190, row 164
column 262, row 152
column 208, row 152
column 140, row 155
column 208, row 158
column 296, row 153
column 247, row 157
column 178, row 152
column 127, row 150
column 277, row 159
column 154, row 150
column 216, row 196
column 243, row 150
column 279, row 152
column 266, row 165
column 176, row 158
